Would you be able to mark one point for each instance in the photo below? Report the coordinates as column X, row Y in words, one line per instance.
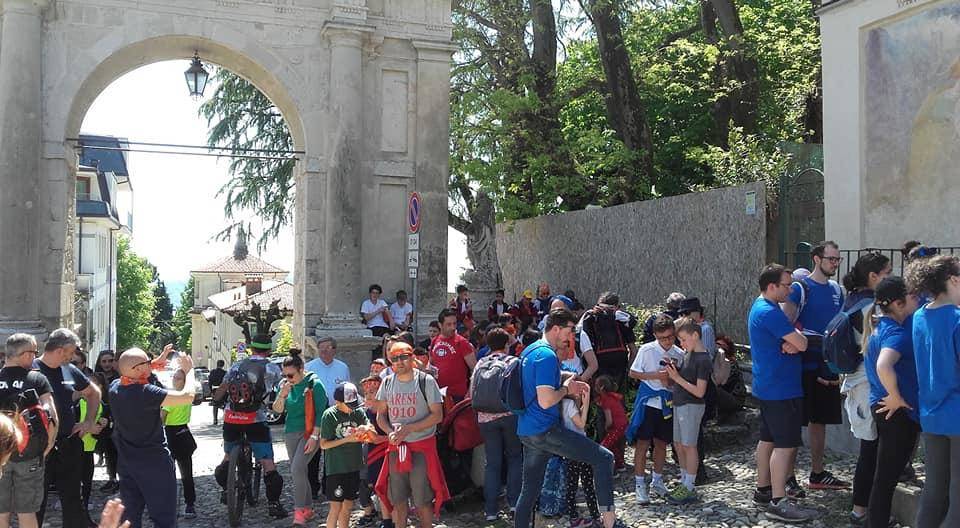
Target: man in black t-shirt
column 63, row 467
column 21, row 486
column 215, row 379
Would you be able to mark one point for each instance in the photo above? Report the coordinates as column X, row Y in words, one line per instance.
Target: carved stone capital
column 351, row 35
column 436, row 51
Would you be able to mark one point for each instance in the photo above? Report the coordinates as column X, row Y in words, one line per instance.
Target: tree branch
column 460, row 224
column 677, row 35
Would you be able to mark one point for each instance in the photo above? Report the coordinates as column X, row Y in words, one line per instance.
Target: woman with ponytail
column 892, row 374
column 303, row 398
column 861, row 282
column 936, row 340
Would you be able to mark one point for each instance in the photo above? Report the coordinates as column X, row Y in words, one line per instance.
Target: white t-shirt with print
column 648, row 360
column 368, row 308
column 569, row 410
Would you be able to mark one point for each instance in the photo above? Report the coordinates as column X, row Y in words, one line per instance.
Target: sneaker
column 275, row 510
column 300, row 516
column 909, row 474
column 223, row 497
column 643, row 497
column 618, row 523
column 858, row 520
column 682, row 495
column 491, row 518
column 787, row 511
column 794, row 489
column 659, row 489
column 826, row 480
column 189, row 512
column 762, row 498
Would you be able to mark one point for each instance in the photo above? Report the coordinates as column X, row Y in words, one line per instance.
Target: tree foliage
column 182, row 324
column 135, row 299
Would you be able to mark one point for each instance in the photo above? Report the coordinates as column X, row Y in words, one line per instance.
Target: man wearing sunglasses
column 63, row 466
column 542, row 431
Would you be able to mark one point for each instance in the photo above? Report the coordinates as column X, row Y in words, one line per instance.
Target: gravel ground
column 726, row 502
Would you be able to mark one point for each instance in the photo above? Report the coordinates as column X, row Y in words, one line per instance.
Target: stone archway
column 362, row 84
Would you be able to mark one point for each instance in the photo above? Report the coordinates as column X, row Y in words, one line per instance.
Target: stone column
column 20, row 124
column 343, row 290
column 432, row 171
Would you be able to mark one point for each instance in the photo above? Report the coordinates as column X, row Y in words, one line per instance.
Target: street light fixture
column 197, row 77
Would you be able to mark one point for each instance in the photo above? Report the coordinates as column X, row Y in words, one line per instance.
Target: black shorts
column 342, row 486
column 822, row 404
column 655, row 427
column 781, row 422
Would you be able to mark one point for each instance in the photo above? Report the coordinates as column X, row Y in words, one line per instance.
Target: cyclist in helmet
column 244, row 389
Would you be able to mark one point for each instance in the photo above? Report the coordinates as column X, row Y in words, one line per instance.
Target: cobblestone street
column 726, row 502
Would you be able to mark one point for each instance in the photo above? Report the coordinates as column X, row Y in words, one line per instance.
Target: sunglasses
column 147, row 362
column 401, row 357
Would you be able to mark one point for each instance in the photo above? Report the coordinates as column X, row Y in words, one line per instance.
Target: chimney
column 254, row 284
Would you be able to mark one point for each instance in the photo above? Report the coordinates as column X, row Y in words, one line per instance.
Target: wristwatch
column 314, row 437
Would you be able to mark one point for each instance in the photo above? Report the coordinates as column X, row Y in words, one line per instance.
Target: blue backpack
column 841, row 351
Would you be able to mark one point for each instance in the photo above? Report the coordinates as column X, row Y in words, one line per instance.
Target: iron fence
column 802, row 259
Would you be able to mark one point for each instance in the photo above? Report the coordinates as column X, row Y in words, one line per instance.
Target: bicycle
column 243, row 481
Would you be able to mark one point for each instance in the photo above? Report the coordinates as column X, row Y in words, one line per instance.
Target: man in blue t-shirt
column 775, row 348
column 812, row 304
column 541, row 430
column 147, row 476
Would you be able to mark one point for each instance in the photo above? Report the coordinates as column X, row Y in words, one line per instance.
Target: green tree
column 162, row 316
column 285, row 340
column 135, row 299
column 182, row 324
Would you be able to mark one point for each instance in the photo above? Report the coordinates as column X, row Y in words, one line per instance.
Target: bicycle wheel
column 235, row 488
column 254, row 490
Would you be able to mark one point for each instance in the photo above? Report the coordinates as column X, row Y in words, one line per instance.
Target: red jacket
column 428, row 448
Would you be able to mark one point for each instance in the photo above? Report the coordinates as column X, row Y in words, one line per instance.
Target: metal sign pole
column 414, row 220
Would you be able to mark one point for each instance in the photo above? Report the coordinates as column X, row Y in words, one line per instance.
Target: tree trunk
column 625, row 111
column 738, row 68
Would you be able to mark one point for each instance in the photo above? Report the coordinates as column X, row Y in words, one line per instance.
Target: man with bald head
column 147, row 476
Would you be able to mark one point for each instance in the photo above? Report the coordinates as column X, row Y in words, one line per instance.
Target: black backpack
column 604, row 331
column 487, row 382
column 32, row 420
column 841, row 351
column 246, row 386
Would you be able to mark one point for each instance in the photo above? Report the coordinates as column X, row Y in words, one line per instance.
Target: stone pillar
column 432, row 171
column 343, row 290
column 20, row 124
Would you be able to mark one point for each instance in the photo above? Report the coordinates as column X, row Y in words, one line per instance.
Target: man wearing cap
column 409, row 407
column 524, row 310
column 607, row 331
column 343, row 428
column 691, row 307
column 245, row 415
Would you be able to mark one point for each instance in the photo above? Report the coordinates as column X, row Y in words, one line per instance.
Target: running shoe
column 762, row 498
column 643, row 497
column 189, row 512
column 858, row 520
column 682, row 495
column 787, row 511
column 794, row 489
column 659, row 489
column 827, row 481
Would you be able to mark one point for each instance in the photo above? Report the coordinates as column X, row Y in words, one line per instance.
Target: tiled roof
column 228, row 298
column 230, row 264
column 282, row 292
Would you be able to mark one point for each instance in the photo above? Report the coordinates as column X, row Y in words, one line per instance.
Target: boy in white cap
column 342, row 429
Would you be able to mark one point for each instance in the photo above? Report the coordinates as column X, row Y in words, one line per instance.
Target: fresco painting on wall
column 911, row 119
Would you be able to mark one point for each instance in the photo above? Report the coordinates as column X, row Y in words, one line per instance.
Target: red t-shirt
column 447, row 354
column 613, row 402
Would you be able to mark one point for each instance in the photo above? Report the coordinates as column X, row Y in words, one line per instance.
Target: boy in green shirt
column 342, row 428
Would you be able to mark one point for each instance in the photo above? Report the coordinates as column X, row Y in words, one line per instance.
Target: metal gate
column 800, row 215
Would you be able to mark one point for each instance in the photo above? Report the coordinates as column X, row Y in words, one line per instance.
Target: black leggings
column 940, row 500
column 896, row 440
column 580, row 473
column 86, row 478
column 866, row 469
column 109, row 451
column 182, row 445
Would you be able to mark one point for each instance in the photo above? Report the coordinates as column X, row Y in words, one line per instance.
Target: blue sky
column 175, row 207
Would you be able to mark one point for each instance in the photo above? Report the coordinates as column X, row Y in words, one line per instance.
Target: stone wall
column 703, row 244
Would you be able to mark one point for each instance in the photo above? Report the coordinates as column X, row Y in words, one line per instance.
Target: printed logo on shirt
column 442, row 348
column 402, row 405
column 345, row 429
column 17, row 384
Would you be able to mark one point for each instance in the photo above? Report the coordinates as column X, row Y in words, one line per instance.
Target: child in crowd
column 342, row 428
column 575, row 410
column 936, row 341
column 376, row 446
column 690, row 386
column 89, row 447
column 614, row 416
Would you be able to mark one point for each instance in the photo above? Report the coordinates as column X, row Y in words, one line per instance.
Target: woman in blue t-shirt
column 892, row 375
column 936, row 338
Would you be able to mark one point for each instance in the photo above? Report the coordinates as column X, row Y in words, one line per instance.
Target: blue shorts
column 258, row 434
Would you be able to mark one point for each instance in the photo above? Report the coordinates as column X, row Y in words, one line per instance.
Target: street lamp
column 196, row 77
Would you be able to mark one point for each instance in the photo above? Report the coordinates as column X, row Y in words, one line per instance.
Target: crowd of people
column 542, row 384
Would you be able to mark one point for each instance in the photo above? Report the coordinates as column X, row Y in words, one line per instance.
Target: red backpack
column 460, row 425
